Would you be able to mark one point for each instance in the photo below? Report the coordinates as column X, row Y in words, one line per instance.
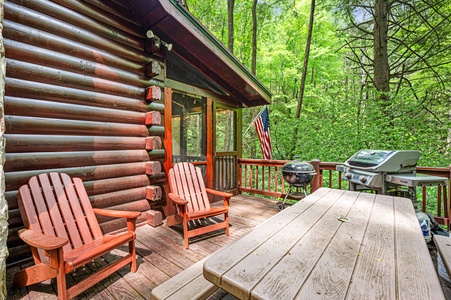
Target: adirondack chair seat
column 64, row 234
column 77, row 257
column 189, row 193
column 211, row 212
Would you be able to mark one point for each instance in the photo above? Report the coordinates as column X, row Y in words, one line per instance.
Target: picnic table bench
column 443, row 244
column 188, row 284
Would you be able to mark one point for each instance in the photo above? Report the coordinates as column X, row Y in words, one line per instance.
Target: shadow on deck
column 161, row 255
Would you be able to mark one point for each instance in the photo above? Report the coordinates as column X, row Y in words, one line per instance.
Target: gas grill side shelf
column 340, row 168
column 414, row 180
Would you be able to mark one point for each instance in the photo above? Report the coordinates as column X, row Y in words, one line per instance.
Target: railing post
column 318, row 180
column 239, row 176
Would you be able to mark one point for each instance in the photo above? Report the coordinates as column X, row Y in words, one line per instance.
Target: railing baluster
column 269, row 178
column 439, row 202
column 330, row 178
column 446, row 202
column 256, row 177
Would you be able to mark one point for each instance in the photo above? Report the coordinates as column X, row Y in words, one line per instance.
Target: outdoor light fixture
column 168, row 46
column 150, row 34
column 154, row 42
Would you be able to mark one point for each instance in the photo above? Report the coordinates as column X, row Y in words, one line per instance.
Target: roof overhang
column 197, row 47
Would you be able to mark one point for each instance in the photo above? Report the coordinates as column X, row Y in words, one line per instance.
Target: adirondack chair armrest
column 177, row 199
column 225, row 195
column 42, row 241
column 218, row 193
column 117, row 213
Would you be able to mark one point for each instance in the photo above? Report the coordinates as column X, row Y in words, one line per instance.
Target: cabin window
column 189, row 130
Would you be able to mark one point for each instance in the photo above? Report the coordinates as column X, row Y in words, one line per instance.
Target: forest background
column 345, row 74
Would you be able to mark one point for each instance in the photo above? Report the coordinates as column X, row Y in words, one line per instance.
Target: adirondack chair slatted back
column 187, row 182
column 57, row 205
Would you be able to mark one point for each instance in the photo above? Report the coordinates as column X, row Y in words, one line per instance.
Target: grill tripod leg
column 281, row 206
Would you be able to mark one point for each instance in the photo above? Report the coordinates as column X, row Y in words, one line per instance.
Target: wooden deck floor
column 161, row 255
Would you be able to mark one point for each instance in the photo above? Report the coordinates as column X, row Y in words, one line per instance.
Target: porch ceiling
column 193, row 45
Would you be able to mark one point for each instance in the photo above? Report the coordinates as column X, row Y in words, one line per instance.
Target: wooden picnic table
column 332, row 244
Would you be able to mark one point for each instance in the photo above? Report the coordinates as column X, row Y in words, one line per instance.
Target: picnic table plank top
column 310, row 251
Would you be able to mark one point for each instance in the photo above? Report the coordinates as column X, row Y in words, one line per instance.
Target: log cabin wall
column 77, row 100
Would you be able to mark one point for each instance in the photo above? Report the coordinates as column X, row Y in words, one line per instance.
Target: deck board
column 160, row 255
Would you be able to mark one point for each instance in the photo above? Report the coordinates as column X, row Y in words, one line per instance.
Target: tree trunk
column 306, row 57
column 254, row 37
column 381, row 67
column 230, row 27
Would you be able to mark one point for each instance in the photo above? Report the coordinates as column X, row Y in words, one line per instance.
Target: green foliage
column 342, row 113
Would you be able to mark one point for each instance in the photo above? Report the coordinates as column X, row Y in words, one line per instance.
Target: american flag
column 262, row 126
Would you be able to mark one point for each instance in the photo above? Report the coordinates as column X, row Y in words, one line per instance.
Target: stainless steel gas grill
column 387, row 172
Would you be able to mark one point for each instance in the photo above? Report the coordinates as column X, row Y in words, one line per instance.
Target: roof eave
column 171, row 21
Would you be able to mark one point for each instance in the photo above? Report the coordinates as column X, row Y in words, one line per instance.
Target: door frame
column 237, row 153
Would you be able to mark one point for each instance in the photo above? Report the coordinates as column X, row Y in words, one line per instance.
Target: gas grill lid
column 387, row 161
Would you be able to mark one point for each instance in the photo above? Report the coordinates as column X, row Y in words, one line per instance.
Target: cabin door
column 227, row 134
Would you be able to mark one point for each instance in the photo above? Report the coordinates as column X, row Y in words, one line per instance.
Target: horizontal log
column 43, row 74
column 112, row 18
column 153, row 118
column 30, row 125
column 54, row 160
column 157, row 106
column 46, row 143
column 156, row 130
column 157, row 154
column 153, row 143
column 157, row 179
column 18, row 255
column 13, row 236
column 78, row 20
column 14, row 218
column 118, row 225
column 153, row 93
column 139, row 205
column 13, row 180
column 114, row 8
column 17, row 50
column 110, row 185
column 154, row 217
column 32, row 36
column 118, row 198
column 11, row 199
column 48, row 109
column 153, row 167
column 46, row 23
column 34, row 90
column 153, row 192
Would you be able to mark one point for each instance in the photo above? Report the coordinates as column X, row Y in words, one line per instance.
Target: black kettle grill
column 298, row 174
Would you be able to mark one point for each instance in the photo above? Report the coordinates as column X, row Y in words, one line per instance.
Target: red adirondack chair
column 190, row 195
column 64, row 234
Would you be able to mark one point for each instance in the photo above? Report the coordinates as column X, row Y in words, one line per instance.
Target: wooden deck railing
column 264, row 177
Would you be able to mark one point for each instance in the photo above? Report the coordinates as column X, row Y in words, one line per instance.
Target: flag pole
column 256, row 117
